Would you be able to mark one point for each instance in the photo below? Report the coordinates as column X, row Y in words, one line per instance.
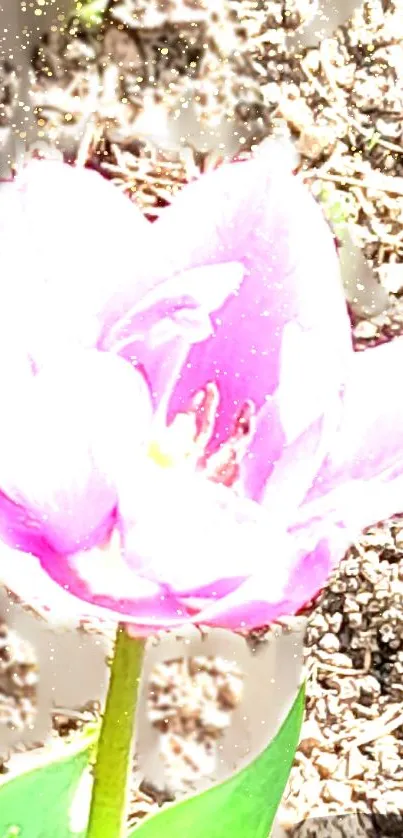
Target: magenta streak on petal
column 24, row 531
column 159, row 364
column 160, row 609
column 217, row 589
column 20, row 530
column 88, row 417
column 264, row 450
column 157, row 333
column 254, row 604
column 265, row 219
column 311, row 571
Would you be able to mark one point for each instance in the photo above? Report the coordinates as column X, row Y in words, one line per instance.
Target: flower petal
column 258, row 214
column 60, row 464
column 187, row 297
column 206, row 534
column 88, row 585
column 107, row 587
column 80, row 237
column 22, row 574
column 183, row 538
column 156, row 334
column 361, row 481
column 47, row 589
column 298, row 420
column 212, row 560
column 293, row 576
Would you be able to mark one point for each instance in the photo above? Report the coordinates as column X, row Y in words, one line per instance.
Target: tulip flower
column 186, row 433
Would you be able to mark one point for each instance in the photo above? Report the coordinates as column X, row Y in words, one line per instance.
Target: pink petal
column 157, row 332
column 361, row 481
column 296, row 424
column 258, row 214
column 295, row 470
column 68, row 436
column 85, row 586
column 213, row 560
column 291, row 579
column 23, row 574
column 183, row 539
column 108, row 588
column 206, row 534
column 188, row 297
column 68, row 238
column 260, row 460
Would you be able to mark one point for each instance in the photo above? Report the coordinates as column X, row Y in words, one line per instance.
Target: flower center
column 187, row 439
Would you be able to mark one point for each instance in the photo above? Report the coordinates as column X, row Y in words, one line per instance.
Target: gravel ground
column 340, row 105
column 350, row 756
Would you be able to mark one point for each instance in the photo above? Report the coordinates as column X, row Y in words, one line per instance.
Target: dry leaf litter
column 340, row 103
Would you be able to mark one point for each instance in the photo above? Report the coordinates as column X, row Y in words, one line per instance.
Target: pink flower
column 180, row 411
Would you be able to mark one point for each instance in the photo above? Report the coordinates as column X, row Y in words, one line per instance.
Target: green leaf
column 338, row 207
column 90, row 12
column 243, row 806
column 37, row 803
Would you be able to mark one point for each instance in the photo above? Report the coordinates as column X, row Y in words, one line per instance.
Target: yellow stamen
column 176, row 444
column 160, row 457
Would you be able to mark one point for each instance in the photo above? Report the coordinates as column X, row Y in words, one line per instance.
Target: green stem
column 109, row 803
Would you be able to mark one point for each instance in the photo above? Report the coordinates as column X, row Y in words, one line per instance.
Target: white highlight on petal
column 114, row 577
column 87, row 419
column 211, row 285
column 306, row 380
column 206, row 288
column 194, row 324
column 23, row 574
column 189, row 532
